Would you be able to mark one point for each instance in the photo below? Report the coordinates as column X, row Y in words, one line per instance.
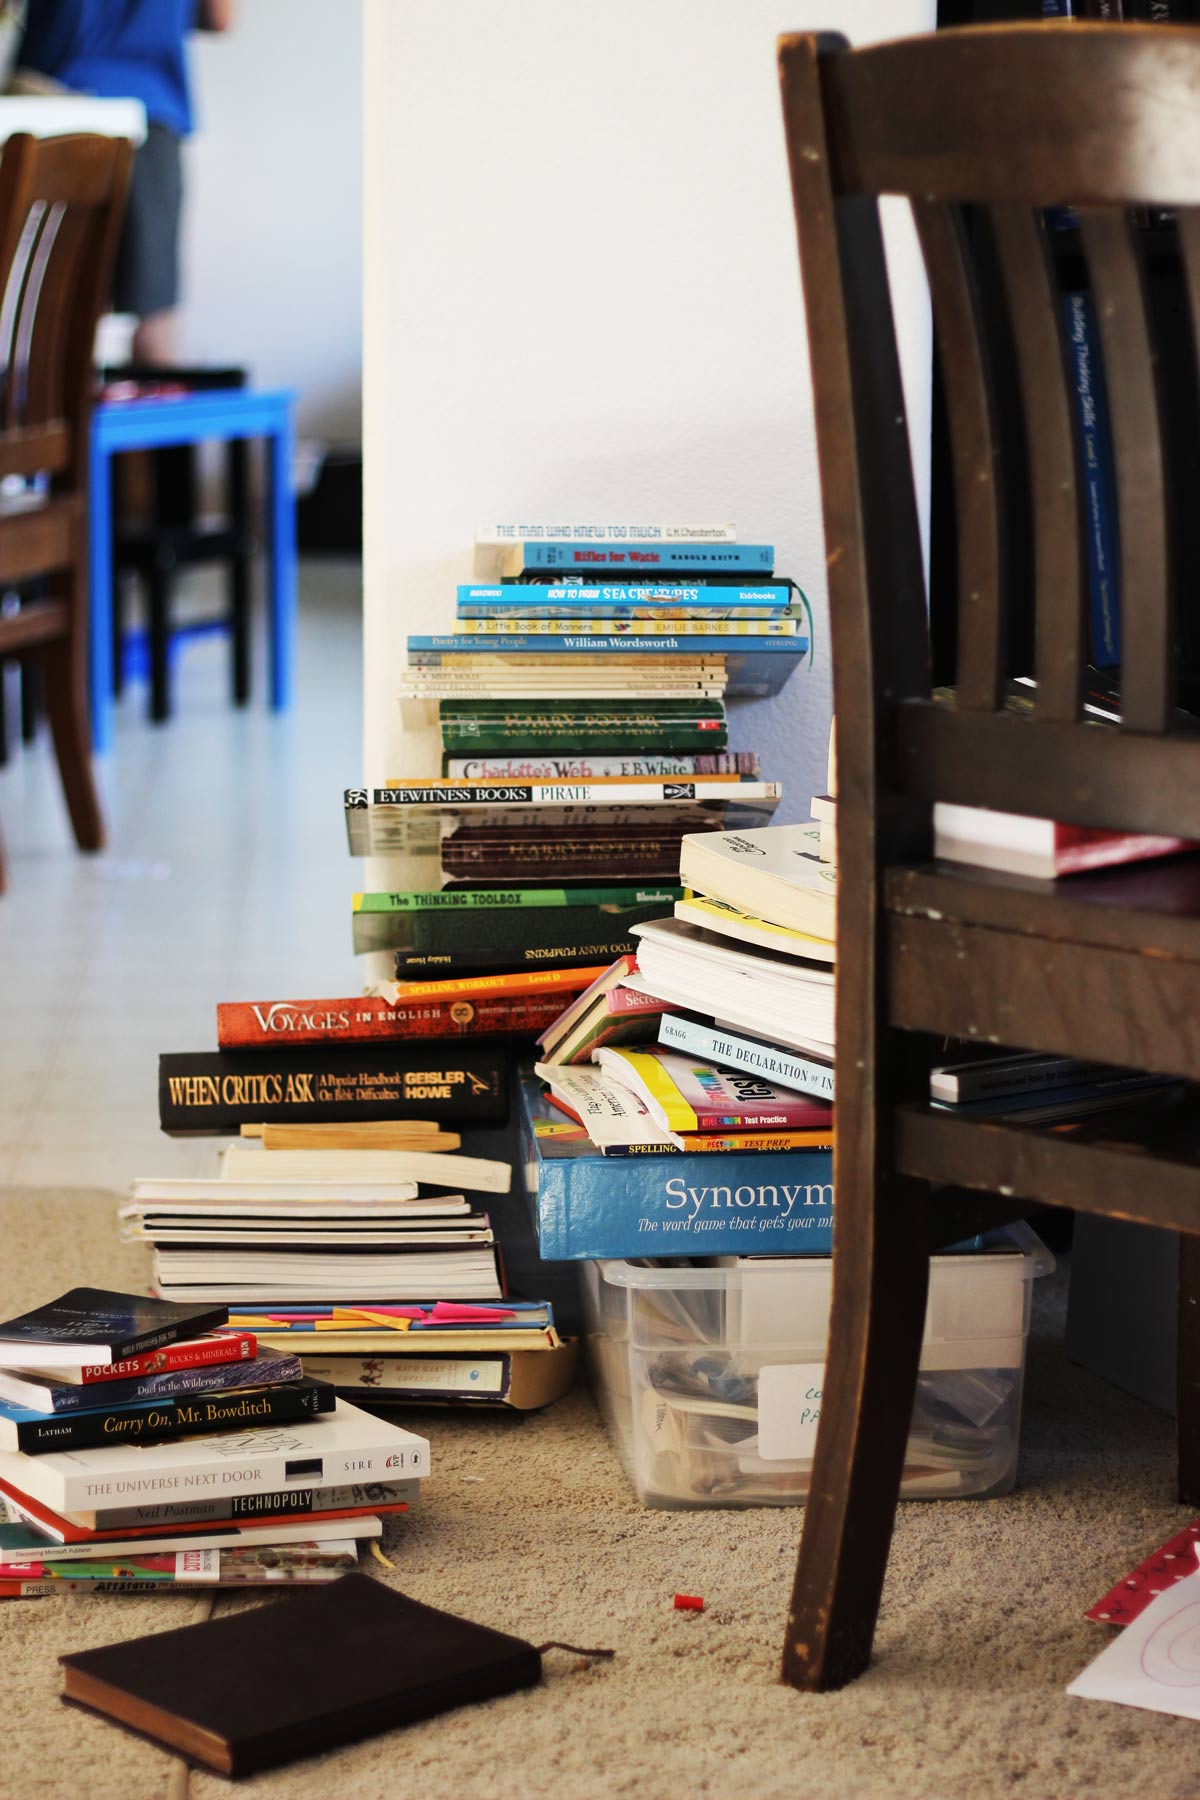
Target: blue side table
column 150, row 424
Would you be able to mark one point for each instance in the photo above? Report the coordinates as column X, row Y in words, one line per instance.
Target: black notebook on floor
column 322, row 1667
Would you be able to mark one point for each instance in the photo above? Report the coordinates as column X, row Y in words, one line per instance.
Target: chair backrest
column 982, row 129
column 61, row 204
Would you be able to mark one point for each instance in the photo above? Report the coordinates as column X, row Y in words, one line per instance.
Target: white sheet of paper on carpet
column 1155, row 1662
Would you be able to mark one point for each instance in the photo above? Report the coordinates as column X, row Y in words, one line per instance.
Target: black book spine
column 222, row 1090
column 413, row 965
column 242, row 1409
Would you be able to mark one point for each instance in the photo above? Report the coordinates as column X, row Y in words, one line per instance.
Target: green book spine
column 513, row 937
column 587, row 725
column 504, row 899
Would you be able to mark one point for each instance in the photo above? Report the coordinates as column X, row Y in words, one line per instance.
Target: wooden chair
column 1001, row 121
column 61, row 201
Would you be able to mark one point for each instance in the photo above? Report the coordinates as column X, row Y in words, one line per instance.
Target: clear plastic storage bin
column 710, row 1378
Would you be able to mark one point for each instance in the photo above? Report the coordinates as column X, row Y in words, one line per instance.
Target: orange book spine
column 525, row 981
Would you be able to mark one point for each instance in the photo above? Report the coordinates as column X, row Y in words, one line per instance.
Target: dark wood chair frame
column 1005, row 121
column 61, row 203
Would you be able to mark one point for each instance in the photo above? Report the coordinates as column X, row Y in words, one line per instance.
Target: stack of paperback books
column 146, row 1444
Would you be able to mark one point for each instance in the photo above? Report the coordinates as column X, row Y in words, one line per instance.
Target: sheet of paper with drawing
column 1155, row 1662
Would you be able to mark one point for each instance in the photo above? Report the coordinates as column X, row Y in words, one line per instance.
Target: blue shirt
column 119, row 49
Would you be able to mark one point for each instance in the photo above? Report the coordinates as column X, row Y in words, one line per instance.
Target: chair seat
column 1120, row 908
column 1002, row 960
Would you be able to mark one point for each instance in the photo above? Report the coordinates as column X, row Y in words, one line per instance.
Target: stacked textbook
column 147, row 1444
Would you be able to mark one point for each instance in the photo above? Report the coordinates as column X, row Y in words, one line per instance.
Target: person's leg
column 146, row 281
column 156, row 340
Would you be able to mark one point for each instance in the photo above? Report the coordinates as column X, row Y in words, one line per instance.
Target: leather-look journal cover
column 321, row 1667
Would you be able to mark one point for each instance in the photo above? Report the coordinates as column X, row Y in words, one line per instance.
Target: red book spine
column 262, row 1025
column 232, row 1346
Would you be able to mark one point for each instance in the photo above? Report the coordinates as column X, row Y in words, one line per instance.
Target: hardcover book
column 641, row 607
column 532, row 765
column 671, row 1206
column 256, row 1689
column 477, row 650
column 648, row 559
column 616, row 726
column 94, row 1325
column 221, row 1091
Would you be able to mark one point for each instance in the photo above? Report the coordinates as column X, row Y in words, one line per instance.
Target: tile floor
column 226, row 877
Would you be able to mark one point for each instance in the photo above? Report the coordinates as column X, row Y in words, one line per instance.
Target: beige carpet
column 529, row 1526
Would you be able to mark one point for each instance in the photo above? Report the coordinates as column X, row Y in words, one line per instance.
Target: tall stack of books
column 581, row 707
column 148, row 1444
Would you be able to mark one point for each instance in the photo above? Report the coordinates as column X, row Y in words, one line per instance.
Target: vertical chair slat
column 978, row 490
column 1033, row 305
column 1146, row 639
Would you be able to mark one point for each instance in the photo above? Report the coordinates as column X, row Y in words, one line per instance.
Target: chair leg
column 1187, row 1377
column 64, row 665
column 158, row 585
column 880, row 1283
column 31, row 701
column 239, row 568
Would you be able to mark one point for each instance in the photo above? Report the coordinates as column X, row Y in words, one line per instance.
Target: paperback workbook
column 773, row 874
column 674, row 1207
column 686, row 1096
column 783, row 996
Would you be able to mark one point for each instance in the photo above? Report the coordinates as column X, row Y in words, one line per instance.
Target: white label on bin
column 789, row 1406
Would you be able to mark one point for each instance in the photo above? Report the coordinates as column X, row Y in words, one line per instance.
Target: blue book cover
column 431, row 650
column 263, row 1370
column 617, row 599
column 1099, row 493
column 647, row 558
column 777, row 1203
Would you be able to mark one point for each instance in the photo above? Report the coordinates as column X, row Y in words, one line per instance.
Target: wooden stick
column 375, row 1134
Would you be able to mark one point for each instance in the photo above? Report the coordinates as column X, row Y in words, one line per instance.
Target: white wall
column 273, row 239
column 582, row 295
